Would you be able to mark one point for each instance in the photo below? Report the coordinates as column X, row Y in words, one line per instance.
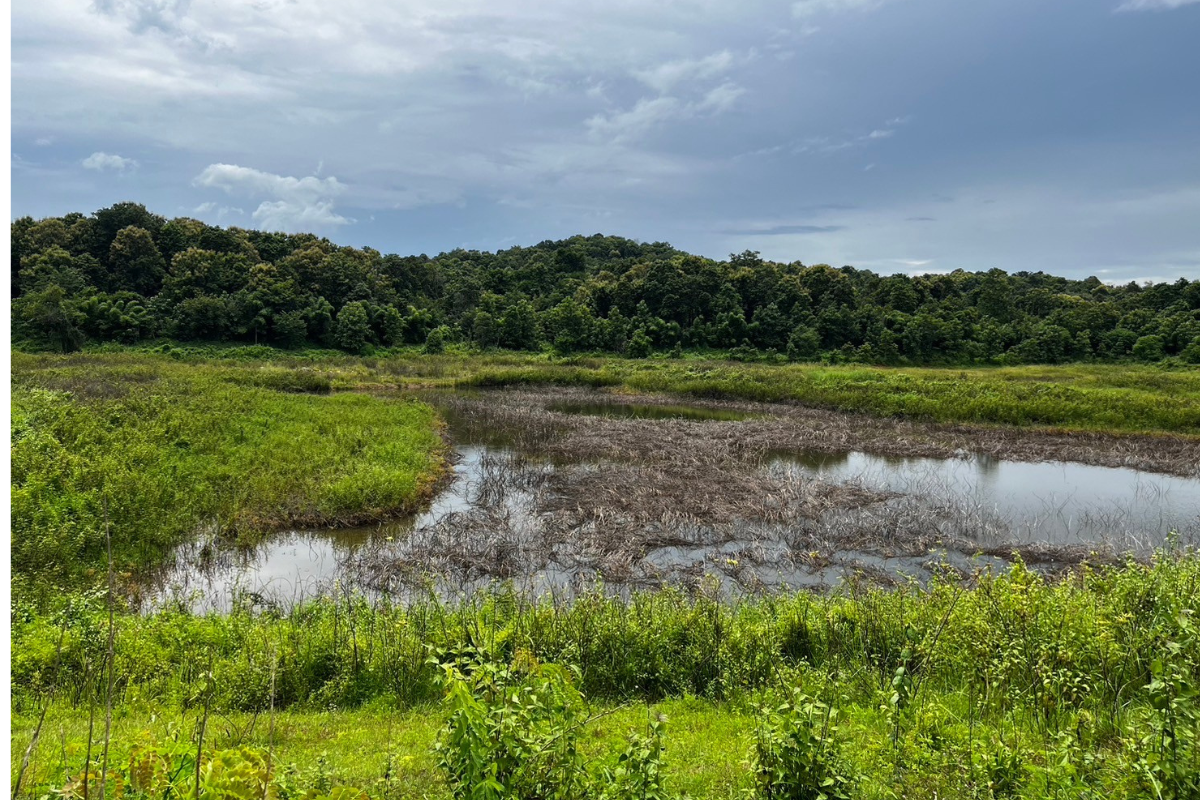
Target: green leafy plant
column 796, row 753
column 167, row 770
column 512, row 731
column 1171, row 751
column 639, row 774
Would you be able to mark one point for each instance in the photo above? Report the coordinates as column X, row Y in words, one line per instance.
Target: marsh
column 558, row 490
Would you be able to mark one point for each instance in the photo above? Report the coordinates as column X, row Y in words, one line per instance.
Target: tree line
column 124, row 274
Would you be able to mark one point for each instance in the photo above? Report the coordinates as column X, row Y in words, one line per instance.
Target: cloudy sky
column 897, row 135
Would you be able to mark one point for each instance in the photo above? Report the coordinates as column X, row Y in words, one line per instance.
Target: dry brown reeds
column 642, row 502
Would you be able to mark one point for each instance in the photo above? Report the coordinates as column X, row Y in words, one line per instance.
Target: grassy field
column 1006, row 685
column 1086, row 397
column 1013, row 687
column 157, row 450
column 1119, row 398
column 390, row 753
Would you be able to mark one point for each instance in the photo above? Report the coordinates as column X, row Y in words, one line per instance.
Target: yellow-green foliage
column 1091, row 397
column 1125, row 398
column 1014, row 686
column 162, row 449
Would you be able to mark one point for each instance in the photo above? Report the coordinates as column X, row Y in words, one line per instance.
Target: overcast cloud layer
column 896, row 135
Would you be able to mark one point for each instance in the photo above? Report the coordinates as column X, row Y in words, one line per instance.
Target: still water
column 981, row 499
column 1047, row 502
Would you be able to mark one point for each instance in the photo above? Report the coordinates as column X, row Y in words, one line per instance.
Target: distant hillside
column 124, row 274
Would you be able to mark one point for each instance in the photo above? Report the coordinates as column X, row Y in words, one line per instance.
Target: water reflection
column 293, row 565
column 1052, row 502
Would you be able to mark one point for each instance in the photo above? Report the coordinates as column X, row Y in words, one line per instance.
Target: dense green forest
column 125, row 274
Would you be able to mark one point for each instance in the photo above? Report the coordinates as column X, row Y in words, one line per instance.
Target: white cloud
column 680, row 77
column 667, row 75
column 721, row 98
column 296, row 204
column 398, row 89
column 649, row 113
column 1154, row 5
column 247, row 180
column 287, row 215
column 222, row 213
column 102, row 161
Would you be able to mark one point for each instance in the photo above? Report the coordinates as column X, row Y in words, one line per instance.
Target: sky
column 893, row 135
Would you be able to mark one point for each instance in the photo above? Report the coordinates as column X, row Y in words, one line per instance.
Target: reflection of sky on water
column 297, row 564
column 1049, row 501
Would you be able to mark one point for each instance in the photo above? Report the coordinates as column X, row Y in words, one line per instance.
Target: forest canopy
column 124, row 274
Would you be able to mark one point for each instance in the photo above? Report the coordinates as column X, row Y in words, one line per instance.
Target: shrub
column 353, row 328
column 1191, row 353
column 1148, row 348
column 639, row 772
column 435, row 342
column 511, row 734
column 514, row 730
column 796, row 756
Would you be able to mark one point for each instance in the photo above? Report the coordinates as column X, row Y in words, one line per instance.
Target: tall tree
column 135, row 262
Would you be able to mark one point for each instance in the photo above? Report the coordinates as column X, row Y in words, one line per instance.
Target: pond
column 788, row 519
column 294, row 565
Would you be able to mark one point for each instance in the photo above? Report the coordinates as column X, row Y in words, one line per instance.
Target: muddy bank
column 773, row 428
column 639, row 491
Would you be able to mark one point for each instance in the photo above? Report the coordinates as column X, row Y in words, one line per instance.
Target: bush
column 640, row 345
column 514, row 730
column 291, row 329
column 639, row 772
column 1191, row 353
column 511, row 735
column 352, row 330
column 803, row 344
column 1148, row 348
column 435, row 342
column 796, row 756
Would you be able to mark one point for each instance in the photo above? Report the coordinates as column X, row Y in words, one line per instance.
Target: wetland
column 563, row 490
column 329, row 563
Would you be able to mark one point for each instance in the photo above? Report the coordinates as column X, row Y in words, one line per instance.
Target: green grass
column 1125, row 399
column 160, row 449
column 1085, row 687
column 1117, row 398
column 707, row 745
column 939, row 690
